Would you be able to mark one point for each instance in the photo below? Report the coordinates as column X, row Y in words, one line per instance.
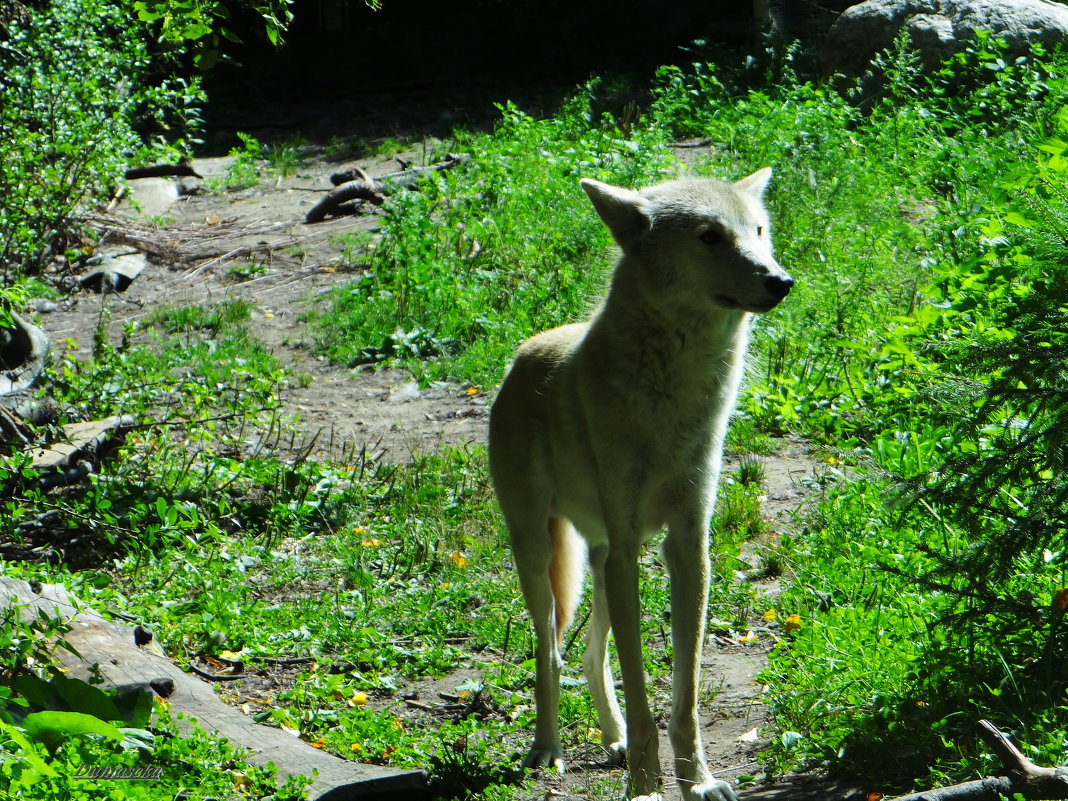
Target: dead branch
column 361, row 189
column 406, row 178
column 193, row 243
column 1022, row 776
column 181, row 169
column 356, row 184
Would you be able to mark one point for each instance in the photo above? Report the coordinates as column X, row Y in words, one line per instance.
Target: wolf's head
column 698, row 240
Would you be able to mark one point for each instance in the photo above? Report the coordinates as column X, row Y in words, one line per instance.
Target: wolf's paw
column 552, row 758
column 616, row 754
column 650, row 797
column 714, row 790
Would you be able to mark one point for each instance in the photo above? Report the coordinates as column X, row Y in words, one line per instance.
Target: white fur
column 616, row 427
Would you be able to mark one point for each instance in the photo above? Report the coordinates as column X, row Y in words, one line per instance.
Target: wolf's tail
column 565, row 571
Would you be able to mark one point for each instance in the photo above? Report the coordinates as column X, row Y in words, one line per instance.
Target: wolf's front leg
column 621, row 594
column 595, row 665
column 686, row 554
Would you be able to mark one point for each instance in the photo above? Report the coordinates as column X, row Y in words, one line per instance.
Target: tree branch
column 1022, row 776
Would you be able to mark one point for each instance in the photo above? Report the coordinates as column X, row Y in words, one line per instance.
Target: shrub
column 77, row 90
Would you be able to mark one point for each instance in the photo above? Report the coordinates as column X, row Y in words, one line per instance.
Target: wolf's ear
column 755, row 184
column 624, row 211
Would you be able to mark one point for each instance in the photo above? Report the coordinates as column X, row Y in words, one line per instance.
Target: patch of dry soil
column 339, row 409
column 343, row 410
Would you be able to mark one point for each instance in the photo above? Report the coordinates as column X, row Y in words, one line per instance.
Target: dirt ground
column 344, row 410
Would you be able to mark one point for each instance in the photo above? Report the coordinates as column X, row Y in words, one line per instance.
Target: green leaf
column 34, row 689
column 791, row 738
column 144, row 14
column 28, row 751
column 52, row 728
column 1015, row 218
column 85, row 698
column 206, row 59
column 138, row 738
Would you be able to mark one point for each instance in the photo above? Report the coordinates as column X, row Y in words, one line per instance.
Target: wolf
column 607, row 431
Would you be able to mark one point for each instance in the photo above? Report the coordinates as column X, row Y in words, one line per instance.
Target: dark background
column 341, row 43
column 431, row 65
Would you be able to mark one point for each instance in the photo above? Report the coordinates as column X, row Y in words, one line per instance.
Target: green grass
column 913, row 229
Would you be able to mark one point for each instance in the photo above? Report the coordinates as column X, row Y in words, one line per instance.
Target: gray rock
column 150, row 197
column 938, row 28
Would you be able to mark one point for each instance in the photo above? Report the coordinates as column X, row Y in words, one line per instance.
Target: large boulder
column 938, row 28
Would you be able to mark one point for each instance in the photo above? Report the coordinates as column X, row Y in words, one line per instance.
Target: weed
column 750, row 472
column 243, row 171
column 744, row 437
column 247, row 271
column 191, row 318
column 388, row 148
column 739, row 515
column 284, row 158
column 342, row 148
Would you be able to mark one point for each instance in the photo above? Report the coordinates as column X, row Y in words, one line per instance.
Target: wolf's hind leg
column 533, row 552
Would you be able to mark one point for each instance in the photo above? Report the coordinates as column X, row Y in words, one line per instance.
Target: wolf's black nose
column 778, row 286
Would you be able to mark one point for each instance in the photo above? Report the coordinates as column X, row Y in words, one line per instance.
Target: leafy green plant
column 927, row 615
column 738, row 515
column 341, row 148
column 68, row 132
column 388, row 147
column 85, row 752
column 25, row 641
column 247, row 271
column 202, row 25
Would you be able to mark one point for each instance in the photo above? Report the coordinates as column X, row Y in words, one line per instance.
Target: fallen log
column 355, row 184
column 1021, row 776
column 127, row 659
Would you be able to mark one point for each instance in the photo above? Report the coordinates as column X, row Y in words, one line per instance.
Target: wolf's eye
column 712, row 237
